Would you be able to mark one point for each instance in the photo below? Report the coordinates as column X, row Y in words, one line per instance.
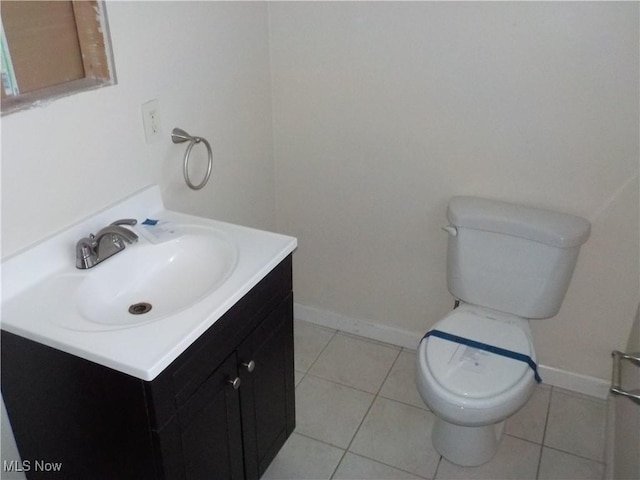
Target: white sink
column 148, row 282
column 139, row 309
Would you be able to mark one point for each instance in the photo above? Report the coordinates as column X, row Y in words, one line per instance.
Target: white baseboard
column 355, row 326
column 592, row 386
column 576, row 382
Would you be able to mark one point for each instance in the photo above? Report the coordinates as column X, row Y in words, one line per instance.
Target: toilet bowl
column 472, row 391
column 507, row 264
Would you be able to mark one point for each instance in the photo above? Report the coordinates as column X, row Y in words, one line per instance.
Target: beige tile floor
column 359, row 416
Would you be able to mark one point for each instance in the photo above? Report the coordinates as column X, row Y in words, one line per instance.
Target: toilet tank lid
column 544, row 226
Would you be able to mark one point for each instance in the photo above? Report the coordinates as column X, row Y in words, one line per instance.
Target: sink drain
column 140, row 308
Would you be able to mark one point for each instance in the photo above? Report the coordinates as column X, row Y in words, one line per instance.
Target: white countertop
column 145, row 350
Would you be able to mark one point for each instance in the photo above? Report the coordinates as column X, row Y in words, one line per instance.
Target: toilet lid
column 474, row 373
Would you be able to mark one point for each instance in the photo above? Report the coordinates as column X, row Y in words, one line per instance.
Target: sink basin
column 149, row 281
column 137, row 311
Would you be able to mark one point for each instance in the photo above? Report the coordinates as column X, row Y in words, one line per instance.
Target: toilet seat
column 467, row 372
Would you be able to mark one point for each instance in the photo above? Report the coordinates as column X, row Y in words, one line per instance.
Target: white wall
column 208, row 65
column 383, row 111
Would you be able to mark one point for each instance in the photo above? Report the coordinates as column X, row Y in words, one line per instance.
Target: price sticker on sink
column 158, row 231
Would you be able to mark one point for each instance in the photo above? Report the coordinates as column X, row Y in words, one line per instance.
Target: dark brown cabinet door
column 210, row 428
column 265, row 364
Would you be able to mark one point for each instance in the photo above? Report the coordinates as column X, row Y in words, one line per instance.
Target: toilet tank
column 511, row 258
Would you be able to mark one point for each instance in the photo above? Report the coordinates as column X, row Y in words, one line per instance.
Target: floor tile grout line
column 544, row 432
column 345, row 451
column 324, row 442
column 337, row 467
column 425, row 408
column 355, row 433
column 374, row 395
column 335, row 332
column 581, row 457
column 385, row 464
column 335, row 382
column 369, row 340
column 393, row 364
column 435, row 474
column 348, row 450
column 401, row 350
column 568, row 393
column 522, row 438
column 373, row 400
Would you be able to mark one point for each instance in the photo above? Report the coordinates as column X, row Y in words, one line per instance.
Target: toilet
column 506, row 264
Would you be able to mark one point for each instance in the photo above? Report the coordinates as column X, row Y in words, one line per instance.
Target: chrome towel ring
column 180, row 136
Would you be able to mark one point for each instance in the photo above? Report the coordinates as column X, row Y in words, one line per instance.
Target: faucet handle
column 125, row 221
column 86, row 256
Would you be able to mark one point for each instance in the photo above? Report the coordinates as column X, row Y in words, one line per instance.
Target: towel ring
column 180, row 136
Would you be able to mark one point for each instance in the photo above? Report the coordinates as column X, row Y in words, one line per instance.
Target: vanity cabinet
column 221, row 410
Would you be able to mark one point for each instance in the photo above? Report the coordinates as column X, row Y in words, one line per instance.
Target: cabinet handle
column 249, row 366
column 235, row 383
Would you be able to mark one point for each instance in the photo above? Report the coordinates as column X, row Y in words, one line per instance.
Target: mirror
column 51, row 49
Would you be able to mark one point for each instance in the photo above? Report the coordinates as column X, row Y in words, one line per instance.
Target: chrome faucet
column 109, row 240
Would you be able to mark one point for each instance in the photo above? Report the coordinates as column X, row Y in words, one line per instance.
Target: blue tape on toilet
column 489, row 348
